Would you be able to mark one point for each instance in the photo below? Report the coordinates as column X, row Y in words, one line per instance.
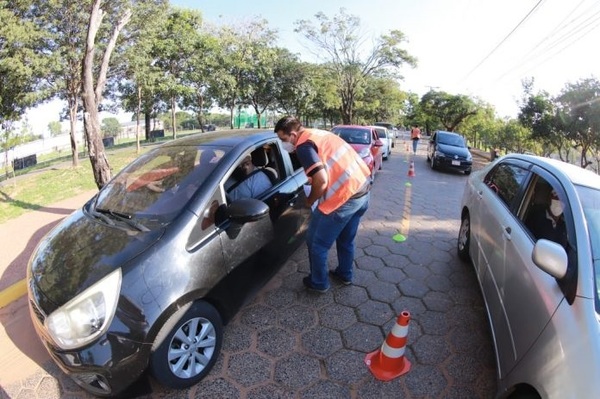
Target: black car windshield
column 353, row 135
column 590, row 201
column 451, row 139
column 155, row 187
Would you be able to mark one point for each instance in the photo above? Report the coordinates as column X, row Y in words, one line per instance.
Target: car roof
column 224, row 138
column 354, row 127
column 574, row 173
column 450, row 133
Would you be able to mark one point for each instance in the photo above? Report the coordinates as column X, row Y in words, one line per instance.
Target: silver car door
column 496, row 229
column 531, row 295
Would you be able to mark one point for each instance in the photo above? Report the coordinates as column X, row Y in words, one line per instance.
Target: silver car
column 541, row 292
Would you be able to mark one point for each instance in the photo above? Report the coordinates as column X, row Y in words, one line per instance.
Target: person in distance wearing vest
column 340, row 183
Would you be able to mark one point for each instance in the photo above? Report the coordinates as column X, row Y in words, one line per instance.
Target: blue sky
column 481, row 48
column 463, row 46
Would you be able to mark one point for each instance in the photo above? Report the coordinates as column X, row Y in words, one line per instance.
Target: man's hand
column 318, row 187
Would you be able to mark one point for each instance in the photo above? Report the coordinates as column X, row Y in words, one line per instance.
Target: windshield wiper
column 124, row 217
column 102, row 216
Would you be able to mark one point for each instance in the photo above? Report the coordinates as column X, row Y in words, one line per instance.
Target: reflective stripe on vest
column 346, row 171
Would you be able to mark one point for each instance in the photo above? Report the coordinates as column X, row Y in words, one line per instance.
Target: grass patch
column 55, row 183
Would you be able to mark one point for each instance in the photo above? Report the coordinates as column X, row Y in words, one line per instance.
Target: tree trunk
column 73, row 130
column 173, row 118
column 148, row 120
column 137, row 121
column 92, row 96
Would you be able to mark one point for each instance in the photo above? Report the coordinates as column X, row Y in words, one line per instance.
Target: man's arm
column 318, row 186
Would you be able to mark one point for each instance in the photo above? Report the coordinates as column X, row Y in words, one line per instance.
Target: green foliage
column 340, row 43
column 111, row 127
column 447, row 109
column 55, row 128
column 23, row 62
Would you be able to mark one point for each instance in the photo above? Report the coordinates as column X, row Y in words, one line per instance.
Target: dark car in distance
column 147, row 272
column 449, row 150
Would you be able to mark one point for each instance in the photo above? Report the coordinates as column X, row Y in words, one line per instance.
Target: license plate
column 457, row 163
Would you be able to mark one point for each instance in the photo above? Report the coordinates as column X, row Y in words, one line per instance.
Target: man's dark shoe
column 339, row 278
column 309, row 286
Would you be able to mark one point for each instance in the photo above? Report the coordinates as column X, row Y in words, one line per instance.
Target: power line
column 503, row 40
column 578, row 28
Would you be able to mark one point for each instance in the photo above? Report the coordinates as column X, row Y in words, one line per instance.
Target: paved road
column 289, row 343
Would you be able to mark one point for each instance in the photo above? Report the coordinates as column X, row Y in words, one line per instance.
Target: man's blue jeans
column 414, row 143
column 340, row 227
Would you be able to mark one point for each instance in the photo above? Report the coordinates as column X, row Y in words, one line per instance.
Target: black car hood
column 77, row 253
column 453, row 150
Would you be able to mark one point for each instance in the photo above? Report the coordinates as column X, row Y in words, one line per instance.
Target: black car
column 148, row 271
column 449, row 150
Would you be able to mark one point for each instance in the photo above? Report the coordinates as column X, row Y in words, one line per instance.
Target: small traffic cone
column 389, row 362
column 406, row 146
column 411, row 169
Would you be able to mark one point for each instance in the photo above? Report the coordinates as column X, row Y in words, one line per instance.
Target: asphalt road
column 289, row 343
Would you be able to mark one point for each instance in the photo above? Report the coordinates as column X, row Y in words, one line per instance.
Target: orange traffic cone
column 406, row 146
column 411, row 169
column 389, row 361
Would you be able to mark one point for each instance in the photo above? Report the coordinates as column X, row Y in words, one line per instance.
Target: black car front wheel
column 464, row 239
column 190, row 349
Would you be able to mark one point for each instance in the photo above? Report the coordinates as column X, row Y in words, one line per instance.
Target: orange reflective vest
column 346, row 171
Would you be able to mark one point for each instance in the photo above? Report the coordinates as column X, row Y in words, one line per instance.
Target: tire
column 432, row 164
column 464, row 239
column 191, row 349
column 468, row 172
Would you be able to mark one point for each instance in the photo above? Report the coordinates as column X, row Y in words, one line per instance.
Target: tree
column 381, row 100
column 203, row 65
column 24, row 66
column 55, row 128
column 173, row 52
column 450, row 110
column 538, row 113
column 111, row 127
column 139, row 83
column 239, row 48
column 339, row 43
column 579, row 113
column 94, row 81
column 67, row 23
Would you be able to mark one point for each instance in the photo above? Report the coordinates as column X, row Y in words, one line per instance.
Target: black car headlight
column 86, row 316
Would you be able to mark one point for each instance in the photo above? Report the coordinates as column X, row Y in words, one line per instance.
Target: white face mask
column 289, row 147
column 556, row 208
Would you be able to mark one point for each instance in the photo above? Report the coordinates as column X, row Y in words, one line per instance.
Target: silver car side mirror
column 551, row 257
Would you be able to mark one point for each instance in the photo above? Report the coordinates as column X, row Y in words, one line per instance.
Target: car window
column 160, row 183
column 590, row 202
column 381, row 133
column 353, row 135
column 538, row 212
column 254, row 173
column 451, row 139
column 505, row 180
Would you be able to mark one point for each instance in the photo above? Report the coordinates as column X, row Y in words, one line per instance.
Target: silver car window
column 590, row 201
column 506, row 180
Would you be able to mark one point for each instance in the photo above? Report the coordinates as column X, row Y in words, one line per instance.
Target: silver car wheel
column 192, row 347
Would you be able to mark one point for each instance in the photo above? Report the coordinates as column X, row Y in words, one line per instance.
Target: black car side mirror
column 246, row 210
